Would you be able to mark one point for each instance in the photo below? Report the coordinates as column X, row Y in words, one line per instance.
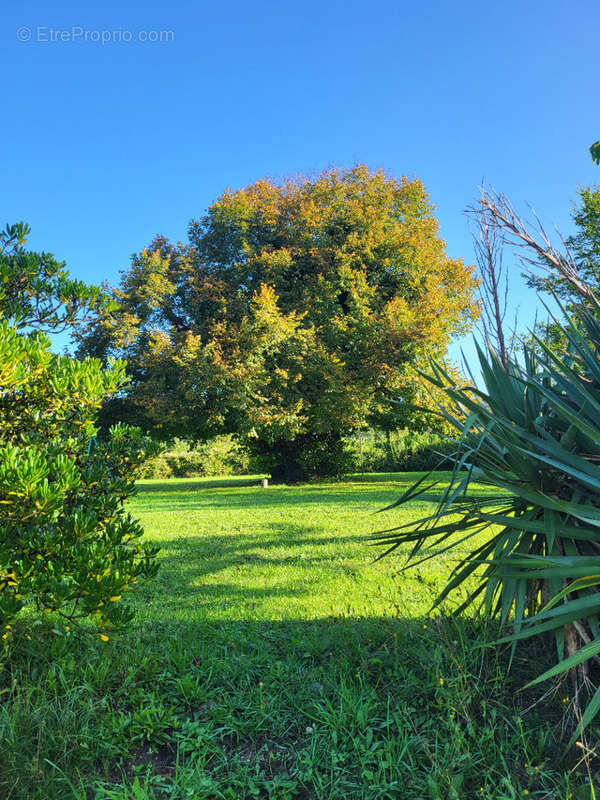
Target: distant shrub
column 218, row 456
column 401, row 451
column 372, row 451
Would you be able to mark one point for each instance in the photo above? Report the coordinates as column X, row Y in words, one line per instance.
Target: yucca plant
column 533, row 434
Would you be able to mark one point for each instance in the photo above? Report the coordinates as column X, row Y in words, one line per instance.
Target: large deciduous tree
column 291, row 317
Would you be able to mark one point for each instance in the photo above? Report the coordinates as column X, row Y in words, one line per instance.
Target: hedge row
column 371, row 451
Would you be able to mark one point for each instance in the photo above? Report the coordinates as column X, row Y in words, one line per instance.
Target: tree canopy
column 291, row 316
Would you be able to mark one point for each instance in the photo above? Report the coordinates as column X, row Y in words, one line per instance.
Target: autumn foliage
column 295, row 313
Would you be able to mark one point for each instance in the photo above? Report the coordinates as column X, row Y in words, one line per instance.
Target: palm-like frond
column 533, row 435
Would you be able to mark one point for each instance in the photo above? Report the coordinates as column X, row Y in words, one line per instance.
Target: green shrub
column 399, row 451
column 218, row 456
column 66, row 543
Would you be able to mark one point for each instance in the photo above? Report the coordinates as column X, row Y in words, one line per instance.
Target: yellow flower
column 260, row 683
column 441, row 681
column 115, row 598
column 104, row 637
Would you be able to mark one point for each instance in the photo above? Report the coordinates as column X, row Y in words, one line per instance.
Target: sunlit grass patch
column 273, row 658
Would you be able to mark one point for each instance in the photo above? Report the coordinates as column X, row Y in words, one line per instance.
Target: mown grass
column 271, row 658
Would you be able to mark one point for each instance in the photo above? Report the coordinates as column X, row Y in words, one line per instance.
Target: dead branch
column 528, row 239
column 493, row 289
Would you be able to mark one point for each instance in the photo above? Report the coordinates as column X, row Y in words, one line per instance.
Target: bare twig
column 493, row 277
column 533, row 240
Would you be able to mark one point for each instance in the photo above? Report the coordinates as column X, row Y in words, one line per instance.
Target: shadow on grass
column 379, row 490
column 400, row 658
column 235, row 692
column 188, row 561
column 252, row 500
column 244, row 481
column 194, row 485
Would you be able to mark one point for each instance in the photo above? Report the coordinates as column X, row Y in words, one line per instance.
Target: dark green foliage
column 370, row 451
column 532, row 433
column 309, row 454
column 66, row 543
column 292, row 317
column 36, row 290
column 584, row 252
column 585, row 244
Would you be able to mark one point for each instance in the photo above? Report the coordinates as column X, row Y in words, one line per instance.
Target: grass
column 271, row 658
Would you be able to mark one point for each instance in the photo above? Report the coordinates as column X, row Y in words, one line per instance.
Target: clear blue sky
column 106, row 145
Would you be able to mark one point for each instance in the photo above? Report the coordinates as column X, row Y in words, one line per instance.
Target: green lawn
column 271, row 658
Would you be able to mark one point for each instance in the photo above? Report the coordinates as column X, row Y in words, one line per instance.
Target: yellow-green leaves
column 294, row 314
column 62, row 522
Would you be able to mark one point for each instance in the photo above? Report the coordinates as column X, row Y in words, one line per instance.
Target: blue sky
column 105, row 145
